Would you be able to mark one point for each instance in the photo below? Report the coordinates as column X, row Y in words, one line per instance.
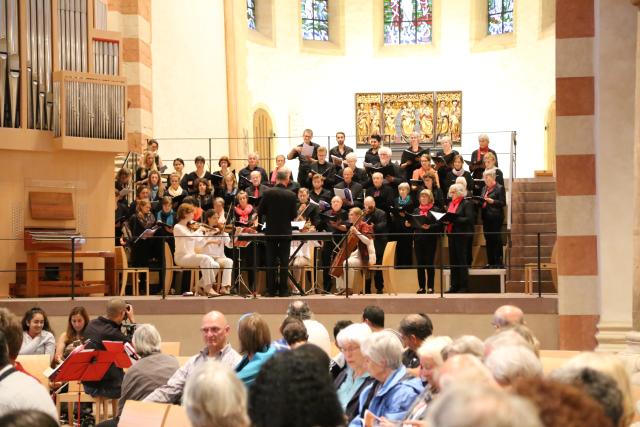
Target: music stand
column 90, row 365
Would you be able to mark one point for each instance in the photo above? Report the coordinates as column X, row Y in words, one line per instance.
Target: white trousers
column 299, row 262
column 354, row 263
column 226, row 264
column 207, row 267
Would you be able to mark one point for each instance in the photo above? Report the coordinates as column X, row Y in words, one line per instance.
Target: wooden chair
column 171, row 267
column 170, row 347
column 102, row 408
column 177, row 417
column 71, row 396
column 147, row 414
column 121, row 259
column 309, row 269
column 529, row 268
column 36, row 364
column 387, row 266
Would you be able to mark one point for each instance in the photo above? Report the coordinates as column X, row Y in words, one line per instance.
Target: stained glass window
column 251, row 14
column 315, row 19
column 500, row 17
column 407, row 21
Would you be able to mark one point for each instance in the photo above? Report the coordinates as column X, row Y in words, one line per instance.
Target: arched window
column 251, row 14
column 408, row 21
column 500, row 17
column 315, row 19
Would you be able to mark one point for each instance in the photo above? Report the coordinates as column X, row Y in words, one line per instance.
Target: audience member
column 464, row 369
column 214, row 396
column 561, row 405
column 392, row 394
column 505, row 338
column 430, row 357
column 295, row 334
column 37, row 337
column 255, row 346
column 525, row 332
column 153, row 370
column 466, row 344
column 108, row 329
column 511, row 362
column 10, row 326
column 318, row 334
column 27, row 418
column 20, row 391
column 507, row 315
column 215, row 335
column 295, row 390
column 352, row 380
column 599, row 386
column 337, row 362
column 74, row 335
column 281, row 344
column 414, row 329
column 373, row 316
column 481, row 406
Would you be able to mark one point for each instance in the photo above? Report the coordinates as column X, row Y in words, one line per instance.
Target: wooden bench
column 501, row 272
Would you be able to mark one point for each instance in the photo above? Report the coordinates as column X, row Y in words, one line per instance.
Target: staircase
column 533, row 211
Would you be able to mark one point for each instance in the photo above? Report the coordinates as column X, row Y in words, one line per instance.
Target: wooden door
column 262, row 142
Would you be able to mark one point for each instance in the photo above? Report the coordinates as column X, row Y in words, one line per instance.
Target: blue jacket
column 247, row 370
column 393, row 399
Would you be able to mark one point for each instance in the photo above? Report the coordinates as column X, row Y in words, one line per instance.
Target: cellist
column 378, row 219
column 363, row 255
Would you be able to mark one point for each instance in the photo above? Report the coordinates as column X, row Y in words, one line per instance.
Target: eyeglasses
column 350, row 349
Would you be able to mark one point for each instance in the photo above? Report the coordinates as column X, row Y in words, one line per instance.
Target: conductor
column 278, row 209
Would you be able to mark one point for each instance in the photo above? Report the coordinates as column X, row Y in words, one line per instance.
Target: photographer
column 108, row 329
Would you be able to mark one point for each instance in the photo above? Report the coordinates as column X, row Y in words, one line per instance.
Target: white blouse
column 186, row 241
column 45, row 343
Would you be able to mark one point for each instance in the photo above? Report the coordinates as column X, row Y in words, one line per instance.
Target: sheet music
column 307, row 150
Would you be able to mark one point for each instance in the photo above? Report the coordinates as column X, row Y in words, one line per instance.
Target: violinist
column 333, row 221
column 198, row 212
column 365, row 253
column 278, row 207
column 426, row 242
column 492, row 217
column 307, row 211
column 402, row 208
column 378, row 219
column 218, row 208
column 355, row 189
column 318, row 193
column 215, row 246
column 188, row 238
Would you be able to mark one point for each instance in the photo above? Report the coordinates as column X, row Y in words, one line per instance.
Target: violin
column 214, row 229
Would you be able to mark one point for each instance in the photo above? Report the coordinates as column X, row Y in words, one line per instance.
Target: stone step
column 532, row 239
column 518, row 287
column 531, row 251
column 533, row 228
column 520, row 186
column 533, row 196
column 532, row 207
column 533, row 218
column 521, row 261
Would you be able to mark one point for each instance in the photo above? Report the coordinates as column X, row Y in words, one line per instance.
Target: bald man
column 507, row 315
column 215, row 335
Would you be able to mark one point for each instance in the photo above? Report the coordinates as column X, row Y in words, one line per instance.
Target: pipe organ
column 60, row 70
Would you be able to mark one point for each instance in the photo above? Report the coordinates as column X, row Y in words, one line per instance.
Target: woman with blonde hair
column 156, row 187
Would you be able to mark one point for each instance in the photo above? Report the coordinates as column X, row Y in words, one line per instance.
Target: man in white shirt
column 20, row 391
column 215, row 334
column 318, row 334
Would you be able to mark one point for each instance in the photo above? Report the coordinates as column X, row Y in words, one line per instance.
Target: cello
column 351, row 244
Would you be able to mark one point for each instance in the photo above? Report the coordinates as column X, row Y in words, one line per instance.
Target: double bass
column 348, row 246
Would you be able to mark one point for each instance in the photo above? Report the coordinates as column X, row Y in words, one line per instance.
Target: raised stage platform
column 178, row 318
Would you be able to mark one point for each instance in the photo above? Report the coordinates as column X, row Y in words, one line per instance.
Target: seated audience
column 391, row 396
column 282, row 344
column 465, row 344
column 338, row 364
column 74, row 335
column 255, row 346
column 10, row 327
column 511, row 362
column 373, row 317
column 214, row 396
column 463, row 369
column 108, row 328
column 153, row 370
column 37, row 337
column 295, row 335
column 215, row 334
column 507, row 315
column 294, row 389
column 318, row 334
column 599, row 386
column 20, row 391
column 431, row 360
column 481, row 406
column 414, row 330
column 354, row 378
column 27, row 418
column 561, row 405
